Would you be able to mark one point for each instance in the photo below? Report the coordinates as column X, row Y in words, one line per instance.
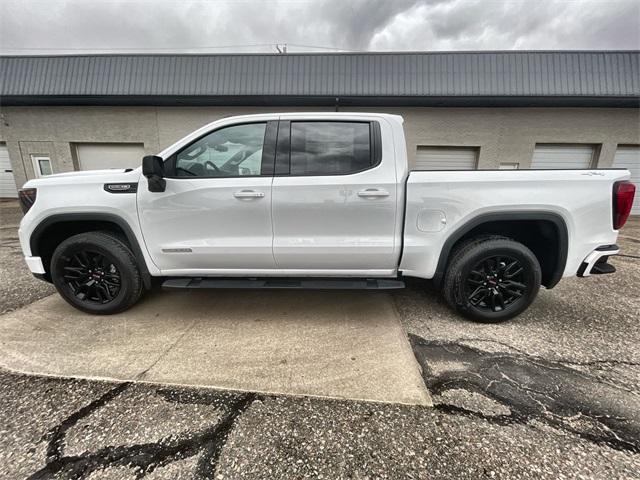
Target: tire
column 492, row 279
column 97, row 273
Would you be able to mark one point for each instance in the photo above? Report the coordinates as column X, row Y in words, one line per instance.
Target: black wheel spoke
column 104, row 292
column 513, row 293
column 512, row 270
column 84, row 258
column 477, row 291
column 500, row 300
column 76, row 259
column 516, row 285
column 484, row 294
column 75, row 269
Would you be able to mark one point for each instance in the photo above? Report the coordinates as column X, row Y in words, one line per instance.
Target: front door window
column 229, row 152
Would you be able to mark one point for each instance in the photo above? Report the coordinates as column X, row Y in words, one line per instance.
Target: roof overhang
column 307, row 101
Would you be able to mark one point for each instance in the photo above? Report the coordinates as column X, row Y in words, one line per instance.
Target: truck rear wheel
column 97, row 273
column 492, row 279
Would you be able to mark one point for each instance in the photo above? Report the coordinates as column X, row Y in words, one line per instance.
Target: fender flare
column 554, row 218
column 37, row 233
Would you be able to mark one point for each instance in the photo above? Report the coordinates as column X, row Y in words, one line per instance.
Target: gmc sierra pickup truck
column 318, row 200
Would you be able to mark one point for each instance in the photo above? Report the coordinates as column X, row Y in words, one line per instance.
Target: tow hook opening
column 601, row 267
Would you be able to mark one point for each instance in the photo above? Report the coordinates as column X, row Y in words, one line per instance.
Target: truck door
column 215, row 213
column 334, row 199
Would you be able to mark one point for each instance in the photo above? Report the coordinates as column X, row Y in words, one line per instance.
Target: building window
column 42, row 165
column 564, row 156
column 447, row 158
column 509, row 166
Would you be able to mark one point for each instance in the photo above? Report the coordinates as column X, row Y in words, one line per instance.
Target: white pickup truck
column 318, row 200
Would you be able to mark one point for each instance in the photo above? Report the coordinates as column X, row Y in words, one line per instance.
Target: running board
column 286, row 283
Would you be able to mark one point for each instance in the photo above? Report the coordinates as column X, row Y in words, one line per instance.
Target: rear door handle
column 248, row 194
column 373, row 192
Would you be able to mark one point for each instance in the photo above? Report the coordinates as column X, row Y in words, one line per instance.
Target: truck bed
column 441, row 203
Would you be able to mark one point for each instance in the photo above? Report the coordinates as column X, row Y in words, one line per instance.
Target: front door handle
column 248, row 194
column 373, row 192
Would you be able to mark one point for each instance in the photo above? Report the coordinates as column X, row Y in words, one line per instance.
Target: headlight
column 27, row 197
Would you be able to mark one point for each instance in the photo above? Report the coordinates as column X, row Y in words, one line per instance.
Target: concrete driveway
column 334, row 344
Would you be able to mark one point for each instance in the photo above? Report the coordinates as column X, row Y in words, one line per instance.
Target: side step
column 286, row 283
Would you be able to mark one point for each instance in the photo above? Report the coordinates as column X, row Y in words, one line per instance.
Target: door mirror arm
column 153, row 169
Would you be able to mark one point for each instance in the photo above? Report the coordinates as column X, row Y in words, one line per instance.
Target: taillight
column 27, row 197
column 623, row 193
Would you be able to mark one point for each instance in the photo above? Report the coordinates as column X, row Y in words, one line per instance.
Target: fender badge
column 121, row 187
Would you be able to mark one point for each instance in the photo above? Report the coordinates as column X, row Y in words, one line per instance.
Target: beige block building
column 485, row 110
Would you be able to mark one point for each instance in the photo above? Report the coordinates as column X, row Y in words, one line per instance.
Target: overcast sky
column 84, row 26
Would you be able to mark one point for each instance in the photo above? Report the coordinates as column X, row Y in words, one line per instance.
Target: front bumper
column 35, row 265
column 596, row 262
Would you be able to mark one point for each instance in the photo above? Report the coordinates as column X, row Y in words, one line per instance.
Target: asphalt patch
column 532, row 388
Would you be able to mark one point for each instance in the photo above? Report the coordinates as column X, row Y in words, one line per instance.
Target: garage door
column 629, row 158
column 563, row 156
column 96, row 156
column 7, row 182
column 446, row 158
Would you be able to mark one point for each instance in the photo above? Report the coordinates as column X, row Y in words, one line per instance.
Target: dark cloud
column 356, row 22
column 54, row 26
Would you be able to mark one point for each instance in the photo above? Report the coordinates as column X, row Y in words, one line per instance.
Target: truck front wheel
column 97, row 273
column 492, row 279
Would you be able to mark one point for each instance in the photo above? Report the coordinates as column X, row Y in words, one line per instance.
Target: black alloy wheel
column 496, row 283
column 96, row 272
column 92, row 276
column 491, row 279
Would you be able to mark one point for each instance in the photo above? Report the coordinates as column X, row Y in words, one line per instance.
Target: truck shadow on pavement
column 506, row 388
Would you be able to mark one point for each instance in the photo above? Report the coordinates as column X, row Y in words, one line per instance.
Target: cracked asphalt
column 552, row 394
column 17, row 285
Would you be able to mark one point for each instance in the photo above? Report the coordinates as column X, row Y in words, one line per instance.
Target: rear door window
column 330, row 148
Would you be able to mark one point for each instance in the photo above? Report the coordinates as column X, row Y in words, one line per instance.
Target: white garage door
column 7, row 182
column 446, row 158
column 562, row 156
column 629, row 158
column 96, row 156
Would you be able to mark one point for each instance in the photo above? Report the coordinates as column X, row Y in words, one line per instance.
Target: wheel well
column 53, row 235
column 546, row 238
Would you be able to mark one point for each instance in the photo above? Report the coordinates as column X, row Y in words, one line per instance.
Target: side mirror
column 153, row 169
